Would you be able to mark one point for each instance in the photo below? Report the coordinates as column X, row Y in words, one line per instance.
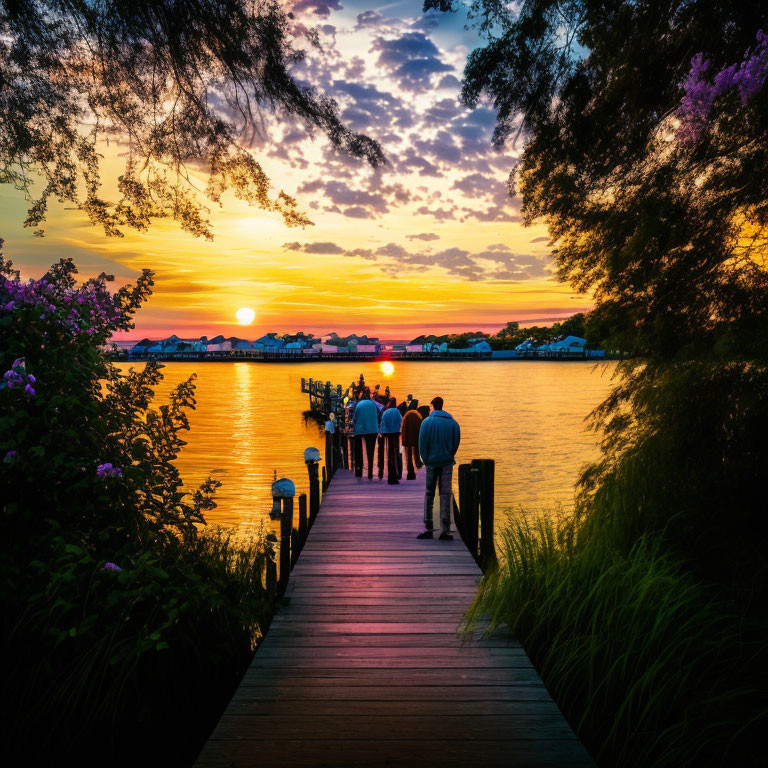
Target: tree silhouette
column 644, row 128
column 179, row 83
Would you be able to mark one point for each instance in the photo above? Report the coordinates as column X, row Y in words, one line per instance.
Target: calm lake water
column 527, row 415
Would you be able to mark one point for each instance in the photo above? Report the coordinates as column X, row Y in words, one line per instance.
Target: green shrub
column 647, row 666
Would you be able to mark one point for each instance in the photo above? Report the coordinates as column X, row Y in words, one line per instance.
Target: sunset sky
column 431, row 241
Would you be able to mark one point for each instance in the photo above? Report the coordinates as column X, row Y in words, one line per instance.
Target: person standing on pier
column 439, row 438
column 411, row 428
column 366, row 428
column 330, row 428
column 390, row 431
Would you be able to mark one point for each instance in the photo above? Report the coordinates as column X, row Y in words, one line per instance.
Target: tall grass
column 649, row 668
column 132, row 667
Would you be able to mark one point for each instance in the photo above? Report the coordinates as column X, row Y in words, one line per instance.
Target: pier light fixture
column 245, row 315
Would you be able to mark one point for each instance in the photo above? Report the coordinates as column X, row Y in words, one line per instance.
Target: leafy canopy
column 181, row 86
column 644, row 128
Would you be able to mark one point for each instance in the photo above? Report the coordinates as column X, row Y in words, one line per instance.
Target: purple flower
column 10, row 457
column 112, row 567
column 107, row 470
column 28, row 389
column 695, row 106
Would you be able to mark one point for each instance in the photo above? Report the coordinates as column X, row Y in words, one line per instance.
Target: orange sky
column 431, row 242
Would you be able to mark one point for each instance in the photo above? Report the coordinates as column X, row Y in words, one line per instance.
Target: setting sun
column 387, row 368
column 245, row 315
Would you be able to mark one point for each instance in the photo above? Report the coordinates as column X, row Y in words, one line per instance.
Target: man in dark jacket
column 411, row 428
column 439, row 438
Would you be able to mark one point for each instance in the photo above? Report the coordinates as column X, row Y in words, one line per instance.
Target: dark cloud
column 499, row 247
column 413, row 58
column 491, row 213
column 412, row 45
column 449, row 81
column 480, row 185
column 418, row 70
column 440, row 214
column 341, row 194
column 321, row 8
column 369, row 19
column 540, row 240
column 426, row 236
column 358, row 212
column 319, row 248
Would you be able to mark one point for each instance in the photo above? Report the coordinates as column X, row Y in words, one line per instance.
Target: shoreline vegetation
column 127, row 623
column 650, row 666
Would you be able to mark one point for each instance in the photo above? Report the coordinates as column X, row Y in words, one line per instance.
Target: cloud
column 319, row 248
column 426, row 236
column 321, row 8
column 369, row 19
column 540, row 240
column 499, row 247
column 358, row 212
column 412, row 58
column 394, row 259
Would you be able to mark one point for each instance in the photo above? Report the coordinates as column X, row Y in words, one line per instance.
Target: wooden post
column 325, row 478
column 314, row 491
column 271, row 566
column 286, row 525
column 487, row 468
column 295, row 546
column 473, row 510
column 303, row 522
column 461, row 522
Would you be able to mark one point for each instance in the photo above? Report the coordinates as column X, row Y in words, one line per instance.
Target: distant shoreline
column 296, row 360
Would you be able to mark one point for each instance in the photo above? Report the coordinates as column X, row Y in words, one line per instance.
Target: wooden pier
column 364, row 665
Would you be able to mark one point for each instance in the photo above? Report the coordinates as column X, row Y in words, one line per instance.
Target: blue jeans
column 439, row 477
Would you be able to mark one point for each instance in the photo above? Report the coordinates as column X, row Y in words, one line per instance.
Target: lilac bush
column 700, row 95
column 81, row 440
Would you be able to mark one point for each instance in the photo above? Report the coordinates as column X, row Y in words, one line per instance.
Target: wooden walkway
column 364, row 666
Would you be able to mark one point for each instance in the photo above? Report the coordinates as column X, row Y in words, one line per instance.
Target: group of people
column 429, row 438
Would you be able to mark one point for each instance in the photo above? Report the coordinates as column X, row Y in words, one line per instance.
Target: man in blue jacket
column 366, row 423
column 391, row 420
column 438, row 442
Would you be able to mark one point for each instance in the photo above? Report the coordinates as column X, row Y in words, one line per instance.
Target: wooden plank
column 431, row 676
column 310, row 695
column 326, row 753
column 388, row 726
column 350, row 707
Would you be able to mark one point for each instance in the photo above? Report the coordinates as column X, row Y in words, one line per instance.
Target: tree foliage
column 666, row 223
column 180, row 86
column 512, row 334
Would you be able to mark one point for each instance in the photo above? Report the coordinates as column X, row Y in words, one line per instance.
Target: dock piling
column 303, row 522
column 314, row 490
column 286, row 526
column 271, row 567
column 487, row 469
